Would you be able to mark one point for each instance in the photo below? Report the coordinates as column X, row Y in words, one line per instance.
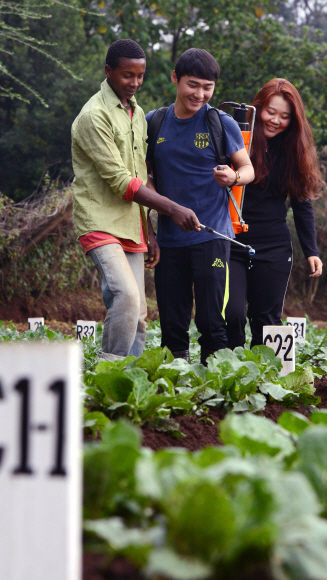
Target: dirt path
column 87, row 305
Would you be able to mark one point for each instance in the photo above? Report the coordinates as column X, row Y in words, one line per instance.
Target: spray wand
column 211, row 231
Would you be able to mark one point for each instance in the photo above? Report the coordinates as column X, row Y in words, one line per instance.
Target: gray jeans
column 122, row 275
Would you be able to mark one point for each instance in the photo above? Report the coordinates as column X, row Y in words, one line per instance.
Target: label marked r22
column 85, row 329
column 300, row 325
column 281, row 340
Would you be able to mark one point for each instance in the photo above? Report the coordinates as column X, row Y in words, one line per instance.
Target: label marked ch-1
column 40, row 461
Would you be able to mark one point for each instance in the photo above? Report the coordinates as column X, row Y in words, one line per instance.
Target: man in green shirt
column 110, row 189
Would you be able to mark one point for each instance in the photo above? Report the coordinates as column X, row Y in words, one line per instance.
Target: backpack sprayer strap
column 218, row 138
column 217, row 134
column 154, row 126
column 235, row 204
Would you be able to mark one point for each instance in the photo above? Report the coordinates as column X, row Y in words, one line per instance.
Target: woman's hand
column 316, row 266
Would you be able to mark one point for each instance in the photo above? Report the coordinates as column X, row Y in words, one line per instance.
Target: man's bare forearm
column 150, row 198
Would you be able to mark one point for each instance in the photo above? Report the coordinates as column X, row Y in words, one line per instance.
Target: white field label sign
column 40, row 462
column 85, row 329
column 281, row 340
column 300, row 326
column 35, row 323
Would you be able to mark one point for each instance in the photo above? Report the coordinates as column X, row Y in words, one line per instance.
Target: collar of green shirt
column 110, row 98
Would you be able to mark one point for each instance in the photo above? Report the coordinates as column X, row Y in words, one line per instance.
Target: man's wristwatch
column 237, row 178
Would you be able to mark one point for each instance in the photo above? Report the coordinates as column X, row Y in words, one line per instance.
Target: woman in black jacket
column 285, row 164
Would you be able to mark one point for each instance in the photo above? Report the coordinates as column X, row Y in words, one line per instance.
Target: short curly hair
column 123, row 48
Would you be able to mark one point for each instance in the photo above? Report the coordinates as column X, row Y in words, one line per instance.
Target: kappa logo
column 202, row 140
column 218, row 263
column 161, row 140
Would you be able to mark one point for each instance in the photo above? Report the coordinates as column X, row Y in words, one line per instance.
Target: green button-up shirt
column 108, row 149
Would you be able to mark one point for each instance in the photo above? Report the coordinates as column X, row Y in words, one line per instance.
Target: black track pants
column 204, row 266
column 261, row 284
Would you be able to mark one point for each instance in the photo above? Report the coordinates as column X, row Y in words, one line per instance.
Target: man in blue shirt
column 185, row 161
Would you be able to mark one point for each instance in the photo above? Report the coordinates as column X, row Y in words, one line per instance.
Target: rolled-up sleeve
column 96, row 139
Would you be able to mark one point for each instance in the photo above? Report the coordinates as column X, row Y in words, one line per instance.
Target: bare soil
column 202, row 433
column 68, row 307
column 97, row 567
column 65, row 307
column 316, row 310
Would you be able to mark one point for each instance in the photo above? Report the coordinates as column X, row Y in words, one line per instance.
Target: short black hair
column 123, row 48
column 197, row 62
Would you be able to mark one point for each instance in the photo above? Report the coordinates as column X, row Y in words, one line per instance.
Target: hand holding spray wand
column 211, row 231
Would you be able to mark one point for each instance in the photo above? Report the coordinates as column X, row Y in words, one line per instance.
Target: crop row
column 157, row 388
column 255, row 505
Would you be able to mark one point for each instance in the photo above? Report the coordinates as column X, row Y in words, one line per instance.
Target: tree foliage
column 36, row 140
column 306, row 13
column 253, row 42
column 15, row 24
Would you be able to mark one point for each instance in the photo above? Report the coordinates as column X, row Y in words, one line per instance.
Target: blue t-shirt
column 185, row 158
